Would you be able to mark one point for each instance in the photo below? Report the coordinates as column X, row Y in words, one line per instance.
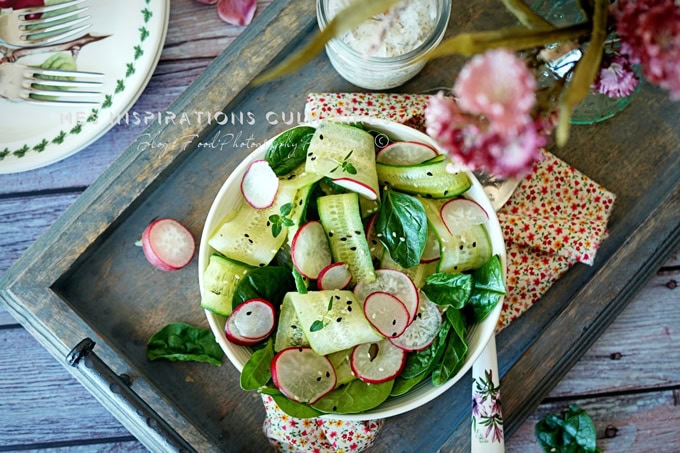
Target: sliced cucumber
column 219, row 280
column 289, row 332
column 461, row 251
column 300, row 177
column 345, row 154
column 343, row 369
column 431, row 179
column 417, row 273
column 332, row 320
column 341, row 220
column 248, row 237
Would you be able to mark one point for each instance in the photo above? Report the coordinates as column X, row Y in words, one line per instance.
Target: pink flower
column 616, row 78
column 475, row 143
column 650, row 31
column 499, row 86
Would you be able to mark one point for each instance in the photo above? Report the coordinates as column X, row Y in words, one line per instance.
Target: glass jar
column 364, row 60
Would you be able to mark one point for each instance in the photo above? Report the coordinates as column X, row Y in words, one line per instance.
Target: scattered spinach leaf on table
column 573, row 432
column 183, row 342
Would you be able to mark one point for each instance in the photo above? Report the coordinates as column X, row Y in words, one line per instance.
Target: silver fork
column 32, row 27
column 38, row 86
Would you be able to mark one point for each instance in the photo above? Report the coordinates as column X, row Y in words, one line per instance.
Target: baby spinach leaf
column 573, row 432
column 257, row 370
column 183, row 342
column 457, row 320
column 452, row 360
column 487, row 290
column 443, row 288
column 402, row 226
column 270, row 283
column 290, row 407
column 403, row 385
column 289, row 150
column 356, row 396
column 422, row 362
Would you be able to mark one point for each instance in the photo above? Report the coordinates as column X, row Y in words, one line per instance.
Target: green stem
column 585, row 72
column 527, row 17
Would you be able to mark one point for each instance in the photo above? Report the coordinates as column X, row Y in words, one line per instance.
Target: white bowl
column 228, row 198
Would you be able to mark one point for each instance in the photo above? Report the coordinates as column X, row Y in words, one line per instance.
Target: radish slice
column 376, row 247
column 376, row 363
column 387, row 314
column 432, row 250
column 167, row 244
column 303, row 375
column 310, row 250
column 460, row 214
column 334, row 276
column 357, row 186
column 254, row 318
column 392, row 282
column 405, row 153
column 234, row 335
column 259, row 185
column 423, row 330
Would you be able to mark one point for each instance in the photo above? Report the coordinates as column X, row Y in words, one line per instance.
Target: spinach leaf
column 443, row 288
column 356, row 396
column 487, row 290
column 574, row 432
column 456, row 319
column 403, row 385
column 452, row 360
column 183, row 342
column 402, row 227
column 290, row 407
column 270, row 283
column 422, row 362
column 257, row 370
column 289, row 150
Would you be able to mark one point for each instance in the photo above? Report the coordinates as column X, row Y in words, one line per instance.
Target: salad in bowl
column 349, row 269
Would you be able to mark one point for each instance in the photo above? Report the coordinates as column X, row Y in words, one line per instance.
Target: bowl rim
column 488, row 326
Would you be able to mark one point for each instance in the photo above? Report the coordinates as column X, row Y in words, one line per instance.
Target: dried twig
column 74, row 46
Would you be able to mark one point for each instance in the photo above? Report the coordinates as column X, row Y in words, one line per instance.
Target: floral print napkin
column 556, row 218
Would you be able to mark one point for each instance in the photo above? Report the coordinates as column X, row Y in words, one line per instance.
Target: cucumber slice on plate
column 219, row 281
column 346, row 154
column 341, row 220
column 432, row 178
column 248, row 237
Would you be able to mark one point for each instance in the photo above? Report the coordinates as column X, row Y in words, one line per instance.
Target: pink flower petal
column 237, row 12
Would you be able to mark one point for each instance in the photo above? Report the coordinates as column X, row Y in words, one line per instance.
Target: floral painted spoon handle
column 487, row 419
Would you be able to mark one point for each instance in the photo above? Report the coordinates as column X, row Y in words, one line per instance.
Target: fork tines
column 45, row 30
column 41, row 87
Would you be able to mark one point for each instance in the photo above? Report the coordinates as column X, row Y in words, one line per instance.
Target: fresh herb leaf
column 279, row 221
column 286, row 209
column 289, row 150
column 316, row 326
column 573, row 432
column 487, row 290
column 183, row 342
column 356, row 396
column 443, row 288
column 402, row 226
column 257, row 370
column 270, row 283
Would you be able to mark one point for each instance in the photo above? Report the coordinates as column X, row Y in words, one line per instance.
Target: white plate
column 32, row 136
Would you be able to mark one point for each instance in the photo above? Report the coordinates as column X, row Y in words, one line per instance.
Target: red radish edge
column 164, row 256
column 388, row 377
column 326, row 273
column 235, row 337
column 398, row 341
column 282, row 388
column 259, row 185
column 401, row 319
column 295, row 246
column 357, row 186
column 462, row 201
column 413, row 310
column 385, row 149
column 244, row 306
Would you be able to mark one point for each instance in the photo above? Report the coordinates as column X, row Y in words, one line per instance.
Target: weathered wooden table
column 629, row 380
